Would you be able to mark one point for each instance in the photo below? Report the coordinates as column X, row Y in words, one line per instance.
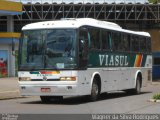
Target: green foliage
column 154, row 1
column 156, row 96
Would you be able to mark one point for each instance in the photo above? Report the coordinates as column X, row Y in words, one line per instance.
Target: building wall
column 155, row 37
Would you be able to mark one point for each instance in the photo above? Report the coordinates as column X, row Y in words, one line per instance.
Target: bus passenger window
column 135, row 43
column 95, row 38
column 148, row 44
column 105, row 40
column 110, row 40
column 143, row 44
column 124, row 44
column 116, row 40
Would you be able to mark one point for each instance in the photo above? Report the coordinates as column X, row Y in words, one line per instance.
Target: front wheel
column 95, row 91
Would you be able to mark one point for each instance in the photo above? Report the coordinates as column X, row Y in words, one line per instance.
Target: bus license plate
column 46, row 90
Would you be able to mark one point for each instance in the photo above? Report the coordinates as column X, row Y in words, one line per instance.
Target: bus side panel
column 84, row 79
column 126, row 78
column 112, row 77
column 147, row 70
column 109, row 79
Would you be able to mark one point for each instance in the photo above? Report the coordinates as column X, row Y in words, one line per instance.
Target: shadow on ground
column 85, row 99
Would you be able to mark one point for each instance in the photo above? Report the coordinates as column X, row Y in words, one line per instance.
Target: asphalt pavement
column 9, row 88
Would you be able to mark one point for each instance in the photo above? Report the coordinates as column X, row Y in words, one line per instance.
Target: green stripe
column 34, row 72
column 109, row 59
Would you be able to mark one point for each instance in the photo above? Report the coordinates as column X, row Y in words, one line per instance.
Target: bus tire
column 137, row 89
column 95, row 91
column 48, row 99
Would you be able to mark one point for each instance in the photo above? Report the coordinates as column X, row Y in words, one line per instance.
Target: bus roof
column 78, row 22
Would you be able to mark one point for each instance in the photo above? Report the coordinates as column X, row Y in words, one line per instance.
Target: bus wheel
column 95, row 91
column 137, row 89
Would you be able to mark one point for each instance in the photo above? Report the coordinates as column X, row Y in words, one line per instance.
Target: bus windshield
column 48, row 49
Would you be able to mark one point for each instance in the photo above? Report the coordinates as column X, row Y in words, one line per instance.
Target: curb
column 155, row 83
column 4, row 95
column 154, row 100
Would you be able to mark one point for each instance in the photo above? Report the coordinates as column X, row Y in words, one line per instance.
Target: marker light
column 67, row 78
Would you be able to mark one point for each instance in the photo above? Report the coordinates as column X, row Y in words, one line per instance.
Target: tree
column 154, row 1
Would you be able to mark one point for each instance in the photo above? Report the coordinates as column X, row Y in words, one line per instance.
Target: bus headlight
column 24, row 79
column 67, row 78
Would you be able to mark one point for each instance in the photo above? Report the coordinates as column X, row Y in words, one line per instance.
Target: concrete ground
column 120, row 102
column 9, row 88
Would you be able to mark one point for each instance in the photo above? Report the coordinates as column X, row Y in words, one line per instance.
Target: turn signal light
column 68, row 78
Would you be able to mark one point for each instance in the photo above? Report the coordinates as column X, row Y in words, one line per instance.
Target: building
column 130, row 14
column 7, row 38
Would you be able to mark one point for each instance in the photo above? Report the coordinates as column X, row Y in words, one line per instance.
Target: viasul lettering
column 113, row 60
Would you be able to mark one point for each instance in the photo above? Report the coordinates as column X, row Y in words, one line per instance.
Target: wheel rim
column 95, row 89
column 138, row 87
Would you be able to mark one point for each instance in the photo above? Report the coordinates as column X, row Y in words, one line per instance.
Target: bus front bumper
column 48, row 90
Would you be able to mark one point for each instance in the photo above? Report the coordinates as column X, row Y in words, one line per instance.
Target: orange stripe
column 50, row 72
column 138, row 61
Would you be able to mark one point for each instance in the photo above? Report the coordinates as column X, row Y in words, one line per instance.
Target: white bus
column 84, row 56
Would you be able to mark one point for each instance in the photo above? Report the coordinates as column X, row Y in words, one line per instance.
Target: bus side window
column 143, row 44
column 89, row 40
column 135, row 43
column 116, row 39
column 121, row 44
column 148, row 44
column 110, row 40
column 125, row 42
column 95, row 38
column 105, row 40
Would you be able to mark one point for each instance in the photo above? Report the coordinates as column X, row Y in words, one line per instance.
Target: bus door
column 83, row 48
column 83, row 59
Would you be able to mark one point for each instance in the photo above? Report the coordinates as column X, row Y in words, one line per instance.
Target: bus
column 83, row 56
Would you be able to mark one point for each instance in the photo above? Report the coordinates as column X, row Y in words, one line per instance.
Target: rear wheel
column 95, row 91
column 137, row 89
column 48, row 99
